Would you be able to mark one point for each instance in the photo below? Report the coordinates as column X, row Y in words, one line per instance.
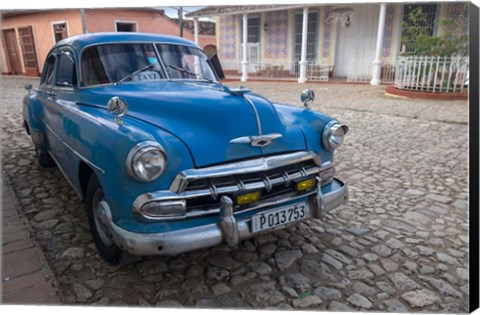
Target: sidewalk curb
column 26, row 275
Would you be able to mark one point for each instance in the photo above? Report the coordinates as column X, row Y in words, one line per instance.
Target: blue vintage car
column 165, row 157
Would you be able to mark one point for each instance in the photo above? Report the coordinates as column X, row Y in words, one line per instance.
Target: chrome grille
column 271, row 183
column 259, row 180
column 273, row 176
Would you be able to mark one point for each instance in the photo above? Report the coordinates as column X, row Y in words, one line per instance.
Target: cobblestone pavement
column 399, row 245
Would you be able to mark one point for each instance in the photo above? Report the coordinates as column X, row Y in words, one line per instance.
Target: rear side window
column 47, row 77
column 66, row 75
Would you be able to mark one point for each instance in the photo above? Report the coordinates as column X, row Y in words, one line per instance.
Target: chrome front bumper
column 227, row 230
column 226, row 179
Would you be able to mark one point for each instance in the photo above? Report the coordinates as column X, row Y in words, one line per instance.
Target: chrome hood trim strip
column 257, row 116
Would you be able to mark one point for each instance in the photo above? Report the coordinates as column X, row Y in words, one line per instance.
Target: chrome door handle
column 51, row 94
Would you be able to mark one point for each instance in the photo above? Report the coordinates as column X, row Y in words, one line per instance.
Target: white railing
column 283, row 70
column 274, row 70
column 362, row 72
column 318, row 71
column 432, row 74
column 387, row 73
column 359, row 71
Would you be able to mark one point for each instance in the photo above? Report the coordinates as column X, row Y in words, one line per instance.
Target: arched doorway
column 210, row 50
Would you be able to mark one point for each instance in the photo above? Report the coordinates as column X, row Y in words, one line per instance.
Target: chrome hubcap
column 100, row 214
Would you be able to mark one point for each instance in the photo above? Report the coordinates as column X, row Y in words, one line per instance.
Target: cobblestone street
column 399, row 245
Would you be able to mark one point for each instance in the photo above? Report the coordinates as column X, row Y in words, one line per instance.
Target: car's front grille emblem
column 257, row 141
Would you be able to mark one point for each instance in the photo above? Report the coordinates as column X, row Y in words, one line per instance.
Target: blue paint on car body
column 193, row 120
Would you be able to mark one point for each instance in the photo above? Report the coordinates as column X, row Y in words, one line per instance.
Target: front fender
column 94, row 135
column 312, row 124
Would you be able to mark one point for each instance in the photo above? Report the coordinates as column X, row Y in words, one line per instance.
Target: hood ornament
column 237, row 91
column 257, row 141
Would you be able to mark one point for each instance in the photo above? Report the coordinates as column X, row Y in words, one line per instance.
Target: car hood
column 204, row 116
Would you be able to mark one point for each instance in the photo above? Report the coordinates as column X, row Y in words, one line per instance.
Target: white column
column 377, row 63
column 195, row 30
column 245, row 52
column 303, row 59
column 196, row 64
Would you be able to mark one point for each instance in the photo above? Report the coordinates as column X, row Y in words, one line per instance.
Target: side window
column 47, row 77
column 66, row 74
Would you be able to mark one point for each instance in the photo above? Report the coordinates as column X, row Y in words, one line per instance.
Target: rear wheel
column 97, row 219
column 44, row 159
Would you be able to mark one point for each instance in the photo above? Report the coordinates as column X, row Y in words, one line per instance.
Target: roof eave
column 286, row 7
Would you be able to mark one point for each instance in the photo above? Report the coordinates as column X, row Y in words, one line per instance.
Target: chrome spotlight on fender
column 117, row 106
column 28, row 87
column 306, row 97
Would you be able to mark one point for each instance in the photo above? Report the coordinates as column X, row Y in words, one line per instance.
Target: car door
column 59, row 105
column 46, row 96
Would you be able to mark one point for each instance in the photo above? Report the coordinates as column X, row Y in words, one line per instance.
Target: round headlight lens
column 333, row 135
column 146, row 161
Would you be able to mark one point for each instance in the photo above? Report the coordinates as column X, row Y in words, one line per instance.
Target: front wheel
column 97, row 219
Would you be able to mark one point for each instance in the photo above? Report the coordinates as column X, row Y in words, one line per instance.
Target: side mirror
column 117, row 106
column 28, row 87
column 216, row 66
column 307, row 96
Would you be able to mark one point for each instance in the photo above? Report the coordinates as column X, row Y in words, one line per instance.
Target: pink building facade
column 27, row 36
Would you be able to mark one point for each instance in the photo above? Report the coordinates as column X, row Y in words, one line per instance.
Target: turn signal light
column 306, row 184
column 248, row 198
column 165, row 208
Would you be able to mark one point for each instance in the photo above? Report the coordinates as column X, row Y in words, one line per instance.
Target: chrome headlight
column 146, row 161
column 333, row 135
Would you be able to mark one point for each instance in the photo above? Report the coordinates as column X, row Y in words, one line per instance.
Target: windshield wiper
column 183, row 70
column 131, row 75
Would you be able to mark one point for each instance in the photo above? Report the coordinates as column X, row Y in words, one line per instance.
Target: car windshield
column 115, row 63
column 111, row 63
column 191, row 60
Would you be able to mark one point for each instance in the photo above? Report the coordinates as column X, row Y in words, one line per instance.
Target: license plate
column 281, row 216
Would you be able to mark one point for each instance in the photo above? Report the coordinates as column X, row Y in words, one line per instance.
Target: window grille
column 60, row 31
column 312, row 37
column 253, row 30
column 253, row 42
column 126, row 27
column 430, row 12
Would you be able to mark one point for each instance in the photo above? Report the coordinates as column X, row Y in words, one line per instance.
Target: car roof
column 80, row 41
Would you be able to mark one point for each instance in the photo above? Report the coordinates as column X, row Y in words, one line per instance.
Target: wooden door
column 13, row 56
column 356, row 44
column 28, row 50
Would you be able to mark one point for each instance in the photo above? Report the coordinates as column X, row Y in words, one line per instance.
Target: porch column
column 377, row 63
column 196, row 64
column 303, row 59
column 245, row 39
column 195, row 30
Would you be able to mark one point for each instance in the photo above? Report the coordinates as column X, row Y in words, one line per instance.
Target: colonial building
column 28, row 35
column 352, row 42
